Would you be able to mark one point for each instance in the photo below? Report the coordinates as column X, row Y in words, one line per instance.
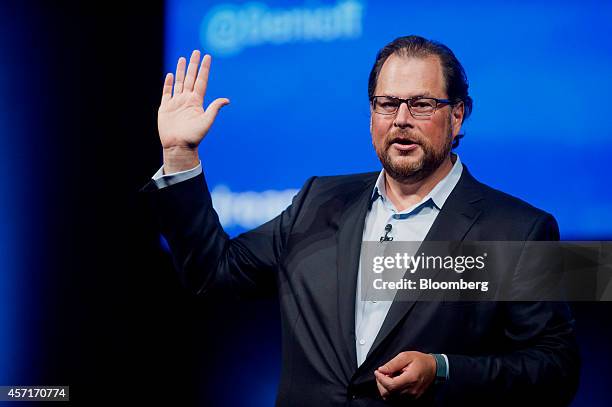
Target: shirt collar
column 437, row 195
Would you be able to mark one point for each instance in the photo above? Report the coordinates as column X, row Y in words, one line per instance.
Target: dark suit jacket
column 498, row 352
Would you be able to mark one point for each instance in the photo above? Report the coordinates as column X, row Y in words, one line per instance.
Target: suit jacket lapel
column 456, row 218
column 349, row 237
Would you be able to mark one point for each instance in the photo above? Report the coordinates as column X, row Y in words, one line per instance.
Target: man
column 337, row 348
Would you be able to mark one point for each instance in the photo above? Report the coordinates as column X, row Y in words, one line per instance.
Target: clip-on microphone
column 386, row 237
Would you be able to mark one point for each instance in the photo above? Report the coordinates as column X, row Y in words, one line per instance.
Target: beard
column 405, row 170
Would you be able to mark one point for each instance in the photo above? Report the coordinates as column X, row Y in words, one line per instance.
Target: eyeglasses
column 419, row 107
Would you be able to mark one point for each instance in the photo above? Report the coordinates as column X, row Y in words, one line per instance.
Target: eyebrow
column 420, row 95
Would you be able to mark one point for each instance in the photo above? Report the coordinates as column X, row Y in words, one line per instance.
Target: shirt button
column 373, row 302
column 362, row 341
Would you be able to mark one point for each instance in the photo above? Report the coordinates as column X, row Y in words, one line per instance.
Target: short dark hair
column 414, row 46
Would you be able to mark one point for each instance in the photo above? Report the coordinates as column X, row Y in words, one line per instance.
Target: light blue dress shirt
column 411, row 224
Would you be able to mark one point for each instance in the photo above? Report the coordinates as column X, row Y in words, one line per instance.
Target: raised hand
column 182, row 120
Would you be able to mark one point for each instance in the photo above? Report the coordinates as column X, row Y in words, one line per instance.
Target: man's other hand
column 408, row 374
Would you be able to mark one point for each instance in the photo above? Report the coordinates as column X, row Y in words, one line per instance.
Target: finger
column 213, row 108
column 190, row 79
column 407, row 379
column 409, row 384
column 396, row 364
column 180, row 75
column 385, row 381
column 395, row 384
column 202, row 79
column 167, row 90
column 384, row 393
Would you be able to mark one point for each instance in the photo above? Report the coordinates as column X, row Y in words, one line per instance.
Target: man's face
column 411, row 149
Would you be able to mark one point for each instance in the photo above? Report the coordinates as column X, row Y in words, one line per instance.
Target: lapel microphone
column 386, row 237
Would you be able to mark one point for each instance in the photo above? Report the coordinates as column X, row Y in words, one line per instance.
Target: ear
column 457, row 118
column 371, row 118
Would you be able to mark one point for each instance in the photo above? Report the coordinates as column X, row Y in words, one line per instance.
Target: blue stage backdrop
column 8, row 259
column 23, row 200
column 296, row 73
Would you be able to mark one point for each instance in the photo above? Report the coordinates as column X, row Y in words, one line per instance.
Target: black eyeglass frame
column 409, row 102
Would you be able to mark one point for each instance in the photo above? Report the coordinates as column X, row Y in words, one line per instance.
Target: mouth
column 404, row 144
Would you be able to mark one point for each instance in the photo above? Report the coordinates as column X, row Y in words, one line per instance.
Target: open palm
column 181, row 120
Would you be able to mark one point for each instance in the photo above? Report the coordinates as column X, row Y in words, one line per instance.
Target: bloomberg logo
column 227, row 29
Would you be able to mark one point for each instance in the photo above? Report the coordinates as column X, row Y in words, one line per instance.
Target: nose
column 403, row 117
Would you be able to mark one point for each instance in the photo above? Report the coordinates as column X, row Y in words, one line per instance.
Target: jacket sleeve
column 208, row 262
column 543, row 363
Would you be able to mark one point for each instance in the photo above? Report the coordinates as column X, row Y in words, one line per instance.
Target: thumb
column 214, row 107
column 396, row 364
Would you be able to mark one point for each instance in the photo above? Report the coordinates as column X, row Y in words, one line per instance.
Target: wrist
column 440, row 368
column 178, row 159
